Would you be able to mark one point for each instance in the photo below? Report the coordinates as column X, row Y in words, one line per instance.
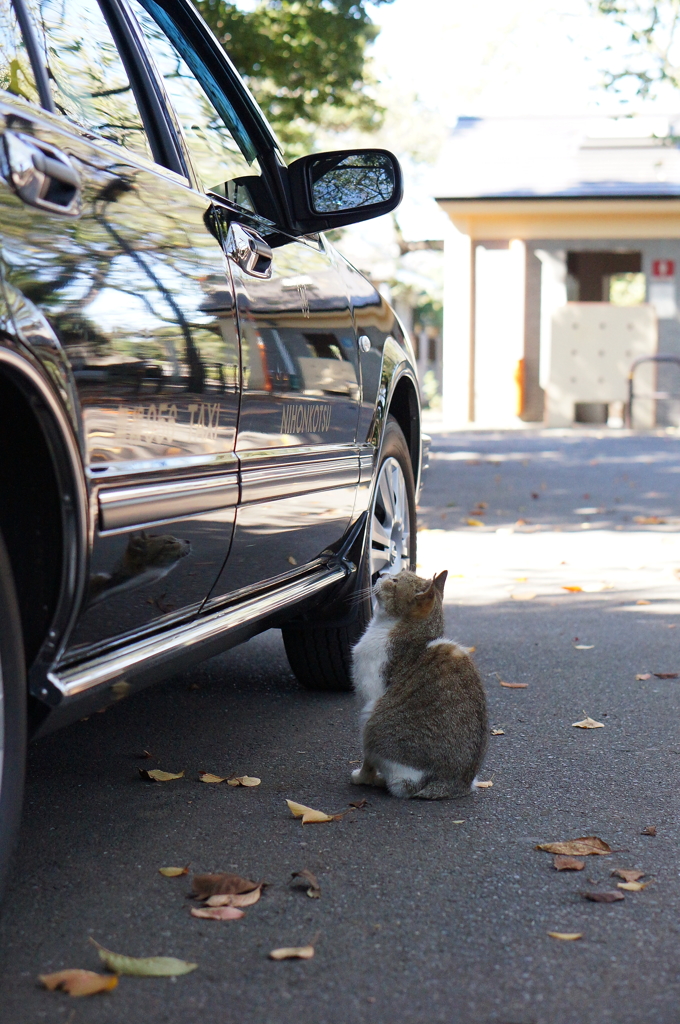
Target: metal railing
column 655, row 395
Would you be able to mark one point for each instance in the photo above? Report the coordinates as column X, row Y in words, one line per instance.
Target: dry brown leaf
column 144, row 755
column 666, row 675
column 208, row 777
column 310, row 880
column 483, row 785
column 583, row 847
column 643, row 675
column 155, row 775
column 573, row 590
column 497, row 732
column 633, row 886
column 641, row 601
column 359, row 805
column 649, row 520
column 79, row 983
column 220, row 884
column 235, row 899
column 566, row 936
column 218, row 913
column 604, row 897
column 587, row 723
column 243, row 780
column 513, row 686
column 649, row 831
column 628, row 874
column 564, row 863
column 292, row 953
column 174, row 872
column 308, row 814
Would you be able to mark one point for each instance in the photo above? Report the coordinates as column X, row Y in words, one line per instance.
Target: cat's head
column 407, row 596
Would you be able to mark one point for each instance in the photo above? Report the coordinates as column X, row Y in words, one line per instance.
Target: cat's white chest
column 370, row 657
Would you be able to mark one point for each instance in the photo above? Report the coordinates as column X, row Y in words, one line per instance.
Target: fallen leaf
column 604, row 897
column 207, row 777
column 641, row 601
column 564, row 863
column 587, row 723
column 120, row 689
column 144, row 967
column 584, row 647
column 458, row 821
column 79, row 983
column 648, row 520
column 359, row 804
column 308, row 814
column 497, row 732
column 643, row 675
column 523, row 595
column 236, row 899
column 583, row 847
column 291, row 560
column 483, row 785
column 174, row 872
column 311, row 881
column 649, row 831
column 145, row 754
column 155, row 775
column 221, row 884
column 217, row 913
column 628, row 874
column 513, row 686
column 243, row 780
column 474, row 522
column 666, row 675
column 292, row 953
column 471, row 650
column 573, row 590
column 566, row 936
column 633, row 886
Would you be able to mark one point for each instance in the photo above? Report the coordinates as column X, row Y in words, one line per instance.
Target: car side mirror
column 344, row 187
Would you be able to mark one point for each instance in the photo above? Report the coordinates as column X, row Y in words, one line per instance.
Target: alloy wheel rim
column 390, row 547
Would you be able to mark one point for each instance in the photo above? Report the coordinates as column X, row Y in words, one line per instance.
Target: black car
column 209, row 420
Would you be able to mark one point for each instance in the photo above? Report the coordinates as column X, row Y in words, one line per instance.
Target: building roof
column 559, row 157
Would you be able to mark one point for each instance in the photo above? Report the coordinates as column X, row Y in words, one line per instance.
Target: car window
column 219, row 146
column 16, row 73
column 89, row 81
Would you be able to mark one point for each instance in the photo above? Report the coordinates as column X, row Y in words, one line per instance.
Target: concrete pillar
column 456, row 347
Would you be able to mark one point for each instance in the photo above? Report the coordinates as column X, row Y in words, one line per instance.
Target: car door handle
column 249, row 251
column 40, row 174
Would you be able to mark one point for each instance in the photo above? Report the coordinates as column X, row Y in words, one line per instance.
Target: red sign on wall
column 663, row 268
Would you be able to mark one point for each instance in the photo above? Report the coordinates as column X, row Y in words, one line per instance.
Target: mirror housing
column 330, row 190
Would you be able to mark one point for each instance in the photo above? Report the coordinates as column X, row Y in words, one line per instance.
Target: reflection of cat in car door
column 146, row 558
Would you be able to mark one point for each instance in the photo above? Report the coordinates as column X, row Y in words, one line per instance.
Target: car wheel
column 12, row 713
column 322, row 658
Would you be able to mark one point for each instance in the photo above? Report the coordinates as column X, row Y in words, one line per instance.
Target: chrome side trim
column 300, row 477
column 150, row 657
column 123, row 507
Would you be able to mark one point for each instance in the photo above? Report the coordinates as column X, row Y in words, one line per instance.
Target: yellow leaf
column 144, row 967
column 243, row 780
column 566, row 936
column 308, row 814
column 643, row 602
column 79, row 983
column 207, row 777
column 483, row 785
column 292, row 953
column 474, row 522
column 633, row 886
column 573, row 590
column 584, row 647
column 174, row 872
column 158, row 776
column 587, row 723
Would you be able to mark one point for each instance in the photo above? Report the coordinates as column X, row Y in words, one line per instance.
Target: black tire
column 321, row 658
column 12, row 714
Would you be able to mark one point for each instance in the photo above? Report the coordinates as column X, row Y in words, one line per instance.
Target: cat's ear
column 425, row 602
column 440, row 580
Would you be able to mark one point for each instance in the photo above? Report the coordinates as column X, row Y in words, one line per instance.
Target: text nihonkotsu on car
column 209, row 420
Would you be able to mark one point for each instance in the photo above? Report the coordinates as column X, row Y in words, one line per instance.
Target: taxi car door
column 118, row 269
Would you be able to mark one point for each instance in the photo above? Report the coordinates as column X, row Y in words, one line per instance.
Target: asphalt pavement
column 429, row 912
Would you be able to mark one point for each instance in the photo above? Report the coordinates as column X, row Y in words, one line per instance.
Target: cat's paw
column 359, row 777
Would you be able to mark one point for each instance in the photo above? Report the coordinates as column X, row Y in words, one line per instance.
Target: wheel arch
column 43, row 514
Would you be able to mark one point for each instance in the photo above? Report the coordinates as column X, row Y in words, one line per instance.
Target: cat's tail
column 439, row 790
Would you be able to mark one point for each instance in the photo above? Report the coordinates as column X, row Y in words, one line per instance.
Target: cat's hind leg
column 401, row 780
column 439, row 790
column 367, row 775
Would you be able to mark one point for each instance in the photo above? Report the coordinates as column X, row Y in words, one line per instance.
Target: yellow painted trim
column 502, row 219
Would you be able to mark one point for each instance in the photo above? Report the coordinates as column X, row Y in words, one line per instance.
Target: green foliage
column 304, row 61
column 653, row 32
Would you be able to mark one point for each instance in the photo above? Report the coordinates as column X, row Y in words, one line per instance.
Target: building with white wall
column 544, row 213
